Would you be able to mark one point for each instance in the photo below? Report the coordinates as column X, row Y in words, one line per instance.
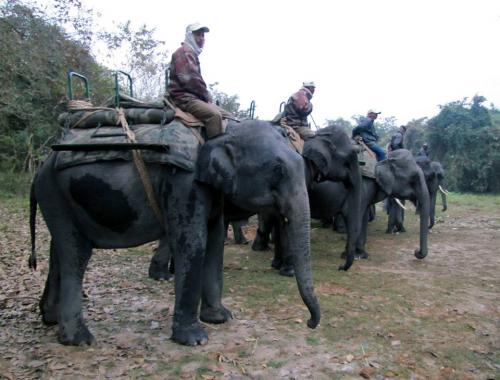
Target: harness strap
column 141, row 167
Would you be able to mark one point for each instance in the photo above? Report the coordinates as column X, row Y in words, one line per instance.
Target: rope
column 79, row 104
column 141, row 167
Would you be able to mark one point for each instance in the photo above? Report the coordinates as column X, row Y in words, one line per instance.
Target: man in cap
column 298, row 108
column 186, row 86
column 366, row 130
column 397, row 139
column 424, row 151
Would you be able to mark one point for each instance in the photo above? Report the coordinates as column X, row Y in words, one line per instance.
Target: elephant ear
column 384, row 176
column 319, row 150
column 215, row 165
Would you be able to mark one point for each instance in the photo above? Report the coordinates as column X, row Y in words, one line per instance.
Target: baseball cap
column 309, row 83
column 197, row 27
column 373, row 110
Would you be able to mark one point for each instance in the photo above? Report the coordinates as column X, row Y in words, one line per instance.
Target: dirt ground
column 391, row 316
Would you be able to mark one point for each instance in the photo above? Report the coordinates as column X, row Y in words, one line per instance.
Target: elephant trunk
column 422, row 194
column 353, row 217
column 297, row 241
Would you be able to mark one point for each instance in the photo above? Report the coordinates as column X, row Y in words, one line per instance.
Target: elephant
column 434, row 178
column 397, row 176
column 328, row 156
column 103, row 205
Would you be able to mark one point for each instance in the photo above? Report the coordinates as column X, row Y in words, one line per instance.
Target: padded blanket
column 180, row 140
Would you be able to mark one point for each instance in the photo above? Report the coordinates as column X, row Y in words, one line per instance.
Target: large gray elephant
column 103, row 205
column 328, row 156
column 399, row 176
column 434, row 178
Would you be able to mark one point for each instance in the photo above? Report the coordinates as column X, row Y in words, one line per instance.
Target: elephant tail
column 33, row 207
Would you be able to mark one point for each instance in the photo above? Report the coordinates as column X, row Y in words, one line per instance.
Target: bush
column 14, row 184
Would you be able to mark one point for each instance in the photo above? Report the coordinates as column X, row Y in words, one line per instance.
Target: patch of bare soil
column 391, row 316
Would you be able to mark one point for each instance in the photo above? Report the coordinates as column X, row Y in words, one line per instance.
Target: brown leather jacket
column 186, row 82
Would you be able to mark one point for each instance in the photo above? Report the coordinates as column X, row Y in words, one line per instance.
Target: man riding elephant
column 366, row 130
column 298, row 108
column 186, row 86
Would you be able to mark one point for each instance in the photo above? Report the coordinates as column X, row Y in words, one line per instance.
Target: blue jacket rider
column 366, row 130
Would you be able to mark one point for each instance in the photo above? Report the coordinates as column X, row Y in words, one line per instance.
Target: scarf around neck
column 189, row 41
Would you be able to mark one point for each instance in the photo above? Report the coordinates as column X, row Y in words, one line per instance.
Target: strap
column 294, row 138
column 141, row 167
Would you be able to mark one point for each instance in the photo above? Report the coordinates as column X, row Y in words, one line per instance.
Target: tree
column 463, row 137
column 228, row 102
column 35, row 55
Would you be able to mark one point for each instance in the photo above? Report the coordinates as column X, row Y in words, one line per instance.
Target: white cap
column 309, row 84
column 197, row 27
column 373, row 110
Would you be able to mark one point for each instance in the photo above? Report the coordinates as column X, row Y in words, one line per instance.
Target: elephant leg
column 340, row 224
column 73, row 252
column 50, row 298
column 158, row 268
column 261, row 241
column 212, row 310
column 361, row 242
column 239, row 236
column 187, row 217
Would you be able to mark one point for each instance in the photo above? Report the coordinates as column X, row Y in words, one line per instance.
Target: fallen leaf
column 367, row 372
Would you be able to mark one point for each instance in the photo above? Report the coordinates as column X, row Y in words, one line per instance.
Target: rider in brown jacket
column 186, row 86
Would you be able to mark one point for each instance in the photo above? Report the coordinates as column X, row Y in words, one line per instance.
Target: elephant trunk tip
column 419, row 254
column 314, row 321
column 345, row 267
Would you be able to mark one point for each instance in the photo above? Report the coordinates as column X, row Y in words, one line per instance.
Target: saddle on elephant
column 93, row 134
column 366, row 158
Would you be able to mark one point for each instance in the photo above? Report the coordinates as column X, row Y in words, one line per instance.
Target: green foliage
column 15, row 184
column 415, row 135
column 346, row 124
column 228, row 102
column 463, row 137
column 35, row 56
column 140, row 54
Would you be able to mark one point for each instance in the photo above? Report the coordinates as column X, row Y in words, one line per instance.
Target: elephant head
column 434, row 176
column 255, row 168
column 334, row 156
column 399, row 176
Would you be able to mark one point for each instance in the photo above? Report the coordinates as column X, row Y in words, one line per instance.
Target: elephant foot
column 361, row 254
column 49, row 319
column 215, row 315
column 287, row 271
column 419, row 254
column 189, row 335
column 276, row 264
column 48, row 313
column 259, row 244
column 242, row 242
column 81, row 337
column 160, row 275
column 159, row 271
column 402, row 229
